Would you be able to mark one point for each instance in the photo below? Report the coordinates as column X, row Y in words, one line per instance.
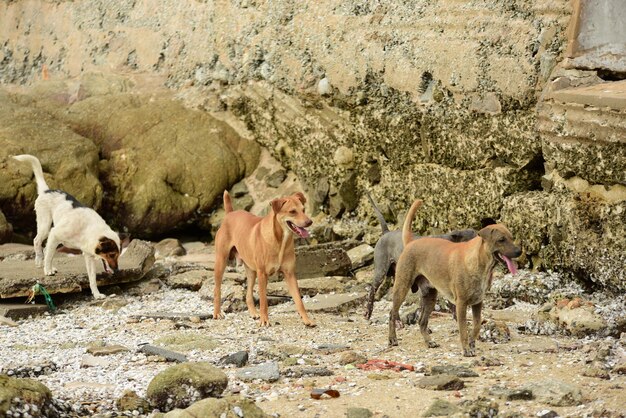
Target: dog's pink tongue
column 302, row 232
column 510, row 264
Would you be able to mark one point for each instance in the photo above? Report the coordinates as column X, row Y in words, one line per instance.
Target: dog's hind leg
column 91, row 273
column 44, row 223
column 401, row 286
column 251, row 279
column 51, row 249
column 429, row 298
column 476, row 320
column 380, row 273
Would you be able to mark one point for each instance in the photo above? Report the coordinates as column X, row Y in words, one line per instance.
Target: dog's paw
column 393, row 341
column 264, row 322
column 218, row 315
column 38, row 262
column 432, row 344
column 50, row 272
column 310, row 324
column 99, row 296
column 469, row 352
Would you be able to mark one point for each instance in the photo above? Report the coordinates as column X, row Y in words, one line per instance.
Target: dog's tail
column 379, row 215
column 228, row 204
column 42, row 186
column 407, row 234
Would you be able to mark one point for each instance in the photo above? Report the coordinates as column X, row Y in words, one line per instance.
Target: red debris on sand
column 377, row 364
column 317, row 393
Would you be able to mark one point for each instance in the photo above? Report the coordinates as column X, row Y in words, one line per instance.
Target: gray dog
column 388, row 250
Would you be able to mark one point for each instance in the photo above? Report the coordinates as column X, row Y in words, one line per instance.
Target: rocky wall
column 450, row 101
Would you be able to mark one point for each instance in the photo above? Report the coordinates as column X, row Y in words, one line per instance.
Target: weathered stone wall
column 431, row 99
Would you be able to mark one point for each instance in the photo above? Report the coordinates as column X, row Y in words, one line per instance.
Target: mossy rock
column 164, row 165
column 6, row 230
column 229, row 407
column 69, row 161
column 28, row 390
column 186, row 341
column 185, row 384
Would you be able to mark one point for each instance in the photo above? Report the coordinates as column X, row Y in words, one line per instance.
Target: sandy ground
column 62, row 339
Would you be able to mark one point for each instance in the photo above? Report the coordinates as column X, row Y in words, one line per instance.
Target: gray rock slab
column 308, row 287
column 22, row 310
column 297, row 372
column 556, row 393
column 106, row 350
column 166, row 354
column 266, row 371
column 17, row 276
column 337, row 303
column 329, row 259
column 459, row 371
column 361, row 255
column 174, row 316
column 441, row 382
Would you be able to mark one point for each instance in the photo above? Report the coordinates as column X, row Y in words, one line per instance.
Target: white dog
column 64, row 220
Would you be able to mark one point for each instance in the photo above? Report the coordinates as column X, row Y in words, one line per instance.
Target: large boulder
column 16, row 392
column 163, row 165
column 69, row 161
column 6, row 229
column 578, row 232
column 183, row 384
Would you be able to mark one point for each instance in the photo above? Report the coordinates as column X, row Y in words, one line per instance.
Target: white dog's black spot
column 69, row 197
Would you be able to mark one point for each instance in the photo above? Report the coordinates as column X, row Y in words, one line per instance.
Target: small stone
column 596, row 372
column 276, row 178
column 267, row 371
column 323, row 87
column 344, row 157
column 354, row 412
column 441, row 408
column 361, row 255
column 169, row 247
column 441, row 382
column 239, row 359
column 351, row 357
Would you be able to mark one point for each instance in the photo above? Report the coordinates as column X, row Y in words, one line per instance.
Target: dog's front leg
column 294, row 291
column 251, row 276
column 265, row 321
column 477, row 320
column 461, row 315
column 90, row 262
column 220, row 266
column 51, row 249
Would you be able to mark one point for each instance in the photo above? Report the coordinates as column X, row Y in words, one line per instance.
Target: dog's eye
column 293, row 211
column 501, row 239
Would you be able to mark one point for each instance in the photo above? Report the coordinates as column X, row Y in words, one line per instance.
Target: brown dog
column 462, row 272
column 265, row 245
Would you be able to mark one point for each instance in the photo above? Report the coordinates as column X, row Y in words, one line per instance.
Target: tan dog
column 265, row 245
column 462, row 272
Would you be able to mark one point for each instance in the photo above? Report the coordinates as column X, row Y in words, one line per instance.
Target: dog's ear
column 124, row 239
column 106, row 245
column 277, row 204
column 486, row 233
column 300, row 196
